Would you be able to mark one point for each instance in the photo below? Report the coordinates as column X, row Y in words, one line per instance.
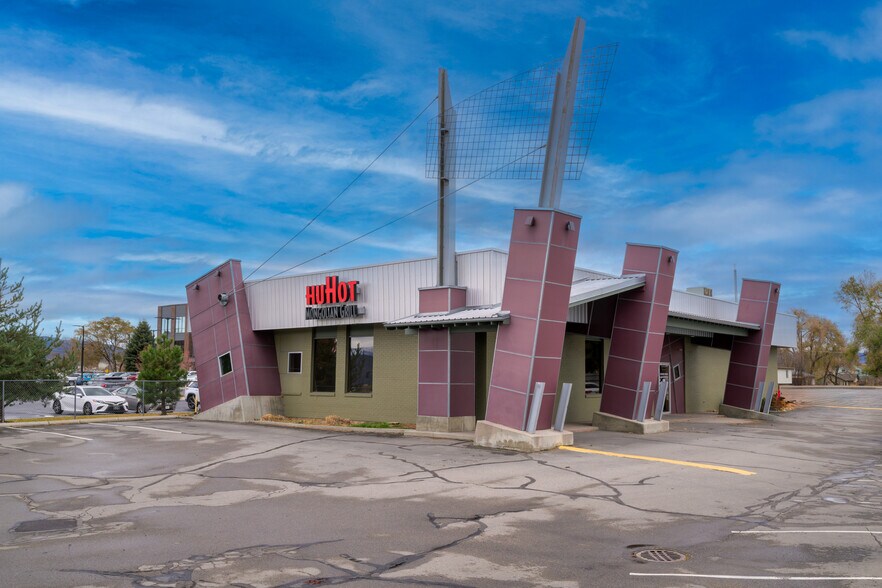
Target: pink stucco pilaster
column 446, row 360
column 750, row 355
column 219, row 329
column 541, row 258
column 638, row 330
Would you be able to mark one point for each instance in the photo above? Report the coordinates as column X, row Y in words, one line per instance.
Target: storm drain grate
column 45, row 525
column 656, row 555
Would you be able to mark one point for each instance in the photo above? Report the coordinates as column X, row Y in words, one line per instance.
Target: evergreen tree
column 141, row 338
column 24, row 351
column 161, row 374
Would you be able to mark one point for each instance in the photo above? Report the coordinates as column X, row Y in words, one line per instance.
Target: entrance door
column 664, row 375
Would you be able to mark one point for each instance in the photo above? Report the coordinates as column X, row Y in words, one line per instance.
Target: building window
column 295, row 362
column 361, row 360
column 324, row 360
column 225, row 363
column 677, row 373
column 593, row 366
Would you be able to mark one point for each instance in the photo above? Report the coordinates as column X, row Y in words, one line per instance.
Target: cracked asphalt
column 193, row 503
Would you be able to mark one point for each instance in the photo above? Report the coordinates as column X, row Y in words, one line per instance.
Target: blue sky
column 141, row 143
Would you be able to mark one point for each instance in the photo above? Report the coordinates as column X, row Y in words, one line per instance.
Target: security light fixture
column 223, row 298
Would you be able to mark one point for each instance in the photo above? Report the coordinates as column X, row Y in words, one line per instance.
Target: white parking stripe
column 53, row 433
column 138, row 427
column 772, row 531
column 786, row 578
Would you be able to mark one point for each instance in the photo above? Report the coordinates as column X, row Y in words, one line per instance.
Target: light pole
column 81, row 379
column 82, row 352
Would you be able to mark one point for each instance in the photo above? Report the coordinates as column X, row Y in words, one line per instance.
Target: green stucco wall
column 705, row 370
column 394, row 396
column 582, row 406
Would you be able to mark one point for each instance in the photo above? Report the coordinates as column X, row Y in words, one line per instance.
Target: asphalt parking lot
column 194, row 503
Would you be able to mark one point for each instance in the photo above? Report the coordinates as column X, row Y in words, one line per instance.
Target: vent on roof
column 703, row 290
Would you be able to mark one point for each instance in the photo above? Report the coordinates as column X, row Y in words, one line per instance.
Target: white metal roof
column 389, row 291
column 590, row 289
column 464, row 316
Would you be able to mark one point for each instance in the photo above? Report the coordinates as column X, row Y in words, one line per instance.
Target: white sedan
column 88, row 400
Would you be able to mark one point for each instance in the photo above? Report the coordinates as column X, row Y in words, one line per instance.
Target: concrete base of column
column 445, row 424
column 243, row 409
column 611, row 422
column 495, row 436
column 736, row 412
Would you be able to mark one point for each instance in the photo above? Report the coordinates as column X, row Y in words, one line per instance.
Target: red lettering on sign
column 333, row 291
column 342, row 292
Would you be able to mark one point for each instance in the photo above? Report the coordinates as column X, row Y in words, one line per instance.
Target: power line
column 388, row 223
column 343, row 191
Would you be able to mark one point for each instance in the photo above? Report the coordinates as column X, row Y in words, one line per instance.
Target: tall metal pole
column 446, row 186
column 735, row 281
column 82, row 352
column 562, row 110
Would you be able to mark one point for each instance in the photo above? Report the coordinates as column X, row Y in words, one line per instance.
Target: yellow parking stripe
column 849, row 407
column 691, row 464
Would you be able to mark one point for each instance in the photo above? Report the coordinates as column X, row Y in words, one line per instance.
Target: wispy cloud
column 147, row 116
column 12, row 196
column 842, row 117
column 864, row 44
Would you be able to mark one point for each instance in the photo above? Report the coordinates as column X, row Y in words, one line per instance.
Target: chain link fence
column 45, row 398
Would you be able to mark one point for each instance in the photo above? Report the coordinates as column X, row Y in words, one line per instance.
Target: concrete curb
column 368, row 431
column 87, row 420
column 745, row 413
column 610, row 422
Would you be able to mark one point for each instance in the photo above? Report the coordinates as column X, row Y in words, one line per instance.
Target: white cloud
column 171, row 258
column 865, row 44
column 12, row 196
column 126, row 112
column 843, row 117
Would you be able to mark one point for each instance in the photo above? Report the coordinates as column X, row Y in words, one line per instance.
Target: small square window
column 225, row 363
column 677, row 371
column 295, row 362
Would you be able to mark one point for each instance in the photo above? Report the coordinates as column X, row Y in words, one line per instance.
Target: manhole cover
column 656, row 555
column 45, row 525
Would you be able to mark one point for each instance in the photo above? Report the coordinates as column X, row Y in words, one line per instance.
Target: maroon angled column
column 538, row 278
column 219, row 329
column 749, row 360
column 638, row 331
column 446, row 389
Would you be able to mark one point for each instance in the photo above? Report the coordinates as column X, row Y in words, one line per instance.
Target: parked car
column 88, row 400
column 111, row 381
column 134, row 400
column 191, row 394
column 191, row 376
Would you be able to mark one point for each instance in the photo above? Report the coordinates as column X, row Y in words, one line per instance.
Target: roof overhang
column 680, row 324
column 462, row 317
column 591, row 289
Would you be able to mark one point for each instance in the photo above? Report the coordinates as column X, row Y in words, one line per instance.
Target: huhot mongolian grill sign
column 331, row 300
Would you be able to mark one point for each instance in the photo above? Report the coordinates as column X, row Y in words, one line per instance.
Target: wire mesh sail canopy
column 501, row 131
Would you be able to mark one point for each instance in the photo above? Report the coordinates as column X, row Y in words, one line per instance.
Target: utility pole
column 446, row 188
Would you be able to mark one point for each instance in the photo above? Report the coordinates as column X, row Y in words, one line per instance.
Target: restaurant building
column 383, row 343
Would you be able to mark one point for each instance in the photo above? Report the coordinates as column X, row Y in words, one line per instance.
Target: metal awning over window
column 463, row 317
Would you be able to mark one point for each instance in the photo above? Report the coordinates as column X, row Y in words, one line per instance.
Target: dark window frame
column 599, row 359
column 359, row 332
column 299, row 362
column 329, row 388
column 220, row 363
